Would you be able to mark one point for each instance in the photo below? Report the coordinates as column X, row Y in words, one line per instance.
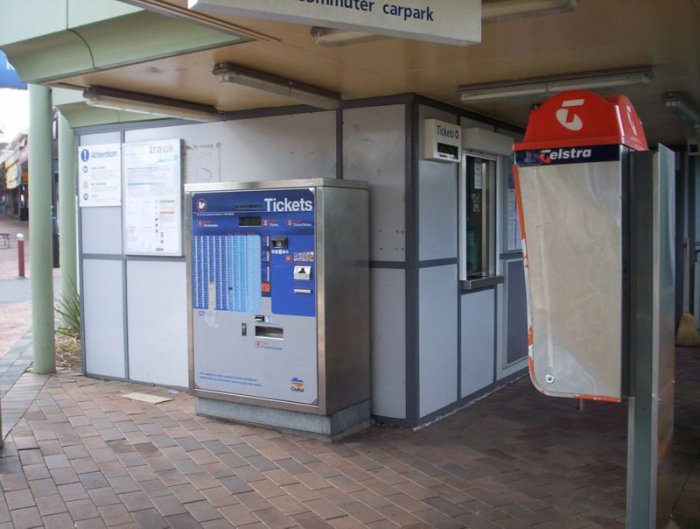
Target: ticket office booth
column 493, row 309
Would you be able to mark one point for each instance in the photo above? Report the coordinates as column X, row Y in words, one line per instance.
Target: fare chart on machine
column 247, row 246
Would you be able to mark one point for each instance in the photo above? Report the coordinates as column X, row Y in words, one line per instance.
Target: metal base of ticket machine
column 279, row 304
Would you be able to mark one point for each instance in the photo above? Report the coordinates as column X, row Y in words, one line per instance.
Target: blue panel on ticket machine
column 280, row 303
column 572, row 178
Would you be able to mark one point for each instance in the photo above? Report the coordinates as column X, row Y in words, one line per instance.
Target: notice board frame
column 164, row 159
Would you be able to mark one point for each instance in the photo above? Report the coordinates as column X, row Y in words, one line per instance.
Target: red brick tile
column 149, row 519
column 93, row 523
column 186, row 493
column 135, row 501
column 238, row 514
column 301, row 492
column 82, row 509
column 103, row 496
column 48, row 505
column 219, row 496
column 19, row 499
column 274, row 519
column 309, row 520
column 26, row 518
column 202, row 511
column 59, row 521
column 288, row 505
column 72, row 491
column 115, row 515
column 168, row 505
column 324, row 509
column 217, row 524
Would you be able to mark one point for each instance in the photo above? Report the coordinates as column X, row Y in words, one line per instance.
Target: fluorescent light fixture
column 331, row 38
column 501, row 10
column 97, row 96
column 683, row 109
column 228, row 72
column 478, row 93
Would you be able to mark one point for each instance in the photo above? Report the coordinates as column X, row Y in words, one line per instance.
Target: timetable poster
column 153, row 198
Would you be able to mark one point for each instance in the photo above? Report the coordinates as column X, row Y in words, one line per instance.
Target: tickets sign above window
column 456, row 22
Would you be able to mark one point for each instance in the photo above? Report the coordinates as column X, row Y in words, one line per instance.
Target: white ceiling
column 597, row 35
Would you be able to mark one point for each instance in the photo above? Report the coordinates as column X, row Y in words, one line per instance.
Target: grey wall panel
column 516, row 312
column 388, row 342
column 515, row 135
column 260, row 149
column 438, row 337
column 467, row 123
column 437, row 198
column 99, row 139
column 101, row 230
column 157, row 319
column 374, row 150
column 478, row 341
column 103, row 318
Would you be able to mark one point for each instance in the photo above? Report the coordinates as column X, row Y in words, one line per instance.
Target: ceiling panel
column 597, row 35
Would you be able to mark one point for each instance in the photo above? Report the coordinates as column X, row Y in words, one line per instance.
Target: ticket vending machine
column 279, row 303
column 572, row 180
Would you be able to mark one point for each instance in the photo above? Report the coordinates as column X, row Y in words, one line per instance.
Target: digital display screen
column 450, row 150
column 250, row 221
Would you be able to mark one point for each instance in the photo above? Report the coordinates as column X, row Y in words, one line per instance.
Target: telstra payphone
column 572, row 180
column 279, row 313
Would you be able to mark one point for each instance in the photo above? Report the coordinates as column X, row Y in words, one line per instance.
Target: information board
column 152, row 213
column 100, row 175
column 454, row 22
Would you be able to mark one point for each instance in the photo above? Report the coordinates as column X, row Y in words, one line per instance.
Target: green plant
column 69, row 309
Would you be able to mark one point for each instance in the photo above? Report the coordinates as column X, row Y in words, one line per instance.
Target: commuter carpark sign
column 456, row 22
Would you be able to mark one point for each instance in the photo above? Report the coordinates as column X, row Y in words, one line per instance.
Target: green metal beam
column 130, row 39
column 28, row 19
column 67, row 174
column 40, row 228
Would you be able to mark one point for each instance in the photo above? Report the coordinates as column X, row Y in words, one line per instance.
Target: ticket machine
column 279, row 312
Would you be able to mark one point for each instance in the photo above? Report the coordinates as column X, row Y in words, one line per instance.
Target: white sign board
column 152, row 210
column 100, row 175
column 456, row 22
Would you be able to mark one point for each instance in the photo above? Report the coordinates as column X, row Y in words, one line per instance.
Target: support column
column 67, row 209
column 40, row 228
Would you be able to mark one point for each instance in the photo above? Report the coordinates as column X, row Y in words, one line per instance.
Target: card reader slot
column 264, row 331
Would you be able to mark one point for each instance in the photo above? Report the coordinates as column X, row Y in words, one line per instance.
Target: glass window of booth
column 477, row 220
column 512, row 239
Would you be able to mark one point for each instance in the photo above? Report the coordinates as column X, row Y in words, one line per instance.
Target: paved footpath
column 80, row 455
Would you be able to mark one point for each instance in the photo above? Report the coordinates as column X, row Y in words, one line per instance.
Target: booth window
column 513, row 241
column 478, row 221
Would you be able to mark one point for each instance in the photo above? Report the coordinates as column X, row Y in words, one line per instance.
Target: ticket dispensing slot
column 279, row 243
column 264, row 331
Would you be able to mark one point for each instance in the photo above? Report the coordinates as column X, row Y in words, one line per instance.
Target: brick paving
column 79, row 455
column 84, row 456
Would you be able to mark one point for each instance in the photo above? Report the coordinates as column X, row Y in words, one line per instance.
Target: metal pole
column 20, row 255
column 67, row 170
column 40, row 228
column 652, row 303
